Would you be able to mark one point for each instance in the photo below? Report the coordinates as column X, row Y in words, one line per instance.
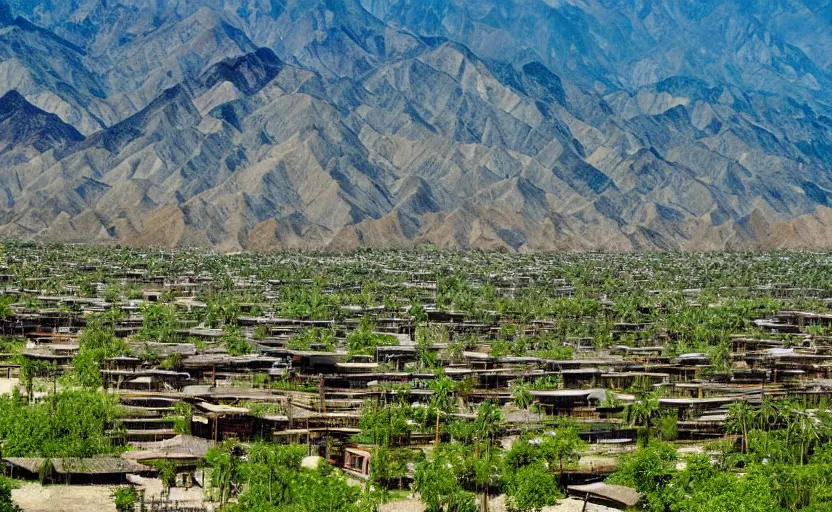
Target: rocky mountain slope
column 518, row 124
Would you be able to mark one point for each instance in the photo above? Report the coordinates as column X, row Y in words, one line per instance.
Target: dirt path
column 403, row 506
column 153, row 491
column 61, row 498
column 573, row 505
column 7, row 385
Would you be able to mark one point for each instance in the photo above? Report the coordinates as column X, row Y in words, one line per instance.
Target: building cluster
column 185, row 394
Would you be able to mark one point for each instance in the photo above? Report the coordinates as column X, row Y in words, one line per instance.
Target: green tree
column 521, row 394
column 649, row 469
column 741, row 417
column 806, row 430
column 489, row 423
column 260, row 332
column 563, row 448
column 270, row 478
column 224, row 470
column 159, row 323
column 125, row 499
column 222, row 310
column 30, row 369
column 314, row 336
column 488, row 427
column 235, row 342
column 439, row 487
column 96, row 344
column 167, row 473
column 6, row 310
column 720, row 358
column 641, row 414
column 387, row 425
column 268, row 474
column 66, row 424
column 390, row 466
column 6, row 503
column 531, row 488
column 441, row 399
column 668, row 425
column 417, row 311
column 363, row 340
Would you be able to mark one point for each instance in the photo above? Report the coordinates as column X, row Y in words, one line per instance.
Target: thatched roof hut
column 181, row 447
column 98, row 470
column 615, row 496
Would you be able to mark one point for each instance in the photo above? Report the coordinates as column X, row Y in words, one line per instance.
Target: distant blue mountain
column 517, row 124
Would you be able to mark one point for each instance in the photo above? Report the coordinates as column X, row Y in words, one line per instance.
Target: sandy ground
column 403, row 506
column 153, row 491
column 498, row 504
column 152, row 486
column 60, row 498
column 192, row 495
column 599, row 463
column 573, row 505
column 7, row 385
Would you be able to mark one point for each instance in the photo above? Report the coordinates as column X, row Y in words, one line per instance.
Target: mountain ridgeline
column 528, row 125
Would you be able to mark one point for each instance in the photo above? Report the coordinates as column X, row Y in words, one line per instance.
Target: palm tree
column 788, row 416
column 521, row 394
column 6, row 312
column 767, row 414
column 741, row 419
column 442, row 387
column 224, row 470
column 641, row 413
column 488, row 427
column 464, row 389
column 489, row 422
column 563, row 448
column 807, row 432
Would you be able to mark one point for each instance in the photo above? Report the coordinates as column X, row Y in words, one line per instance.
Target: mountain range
column 527, row 125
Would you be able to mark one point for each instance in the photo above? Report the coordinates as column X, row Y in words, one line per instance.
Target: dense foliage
column 273, row 480
column 96, row 343
column 67, row 424
column 528, row 472
column 125, row 499
column 6, row 503
column 782, row 464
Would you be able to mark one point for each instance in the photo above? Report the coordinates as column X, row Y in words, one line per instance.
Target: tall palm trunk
column 487, row 478
column 745, row 439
